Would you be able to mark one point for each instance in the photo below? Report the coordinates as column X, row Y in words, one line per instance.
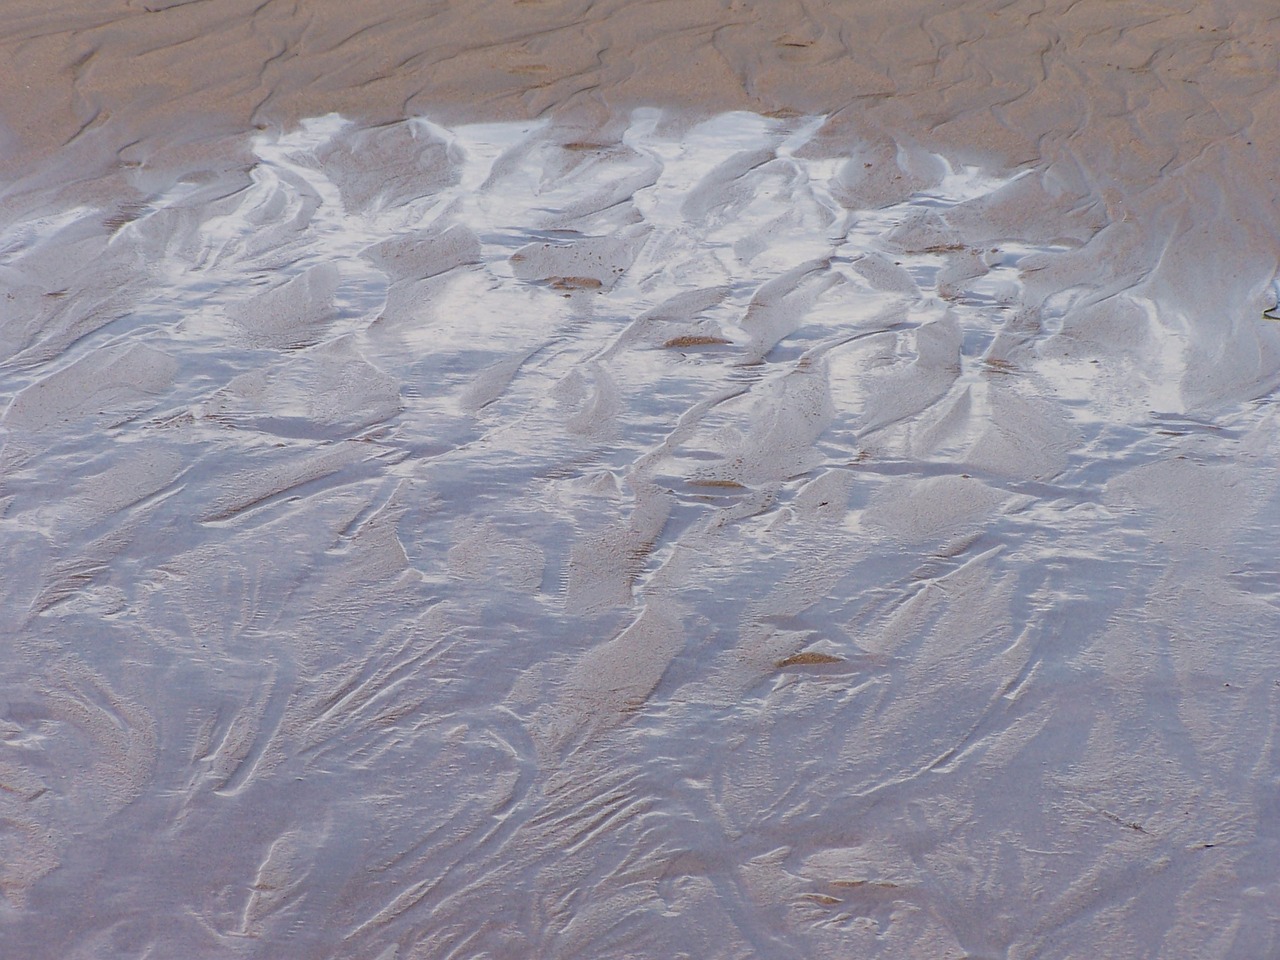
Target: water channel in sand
column 451, row 541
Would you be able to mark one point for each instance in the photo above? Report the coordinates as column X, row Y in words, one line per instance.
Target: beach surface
column 670, row 479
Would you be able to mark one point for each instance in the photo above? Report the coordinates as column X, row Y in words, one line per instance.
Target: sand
column 713, row 479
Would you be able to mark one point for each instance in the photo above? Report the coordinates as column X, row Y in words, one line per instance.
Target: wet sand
column 639, row 479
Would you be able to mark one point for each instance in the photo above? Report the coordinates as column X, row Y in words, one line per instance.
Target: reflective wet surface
column 711, row 540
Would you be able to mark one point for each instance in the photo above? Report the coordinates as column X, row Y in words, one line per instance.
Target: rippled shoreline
column 712, row 535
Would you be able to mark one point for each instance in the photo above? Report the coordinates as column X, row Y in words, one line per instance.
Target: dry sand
column 710, row 479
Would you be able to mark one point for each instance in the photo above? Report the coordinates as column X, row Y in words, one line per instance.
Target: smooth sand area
column 708, row 479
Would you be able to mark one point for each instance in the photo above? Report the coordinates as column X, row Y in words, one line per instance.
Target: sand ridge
column 1140, row 84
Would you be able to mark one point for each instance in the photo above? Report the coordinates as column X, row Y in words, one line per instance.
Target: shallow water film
column 710, row 538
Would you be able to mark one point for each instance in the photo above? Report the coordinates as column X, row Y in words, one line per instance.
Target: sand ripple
column 713, row 537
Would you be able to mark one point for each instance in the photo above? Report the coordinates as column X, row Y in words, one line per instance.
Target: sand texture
column 707, row 479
